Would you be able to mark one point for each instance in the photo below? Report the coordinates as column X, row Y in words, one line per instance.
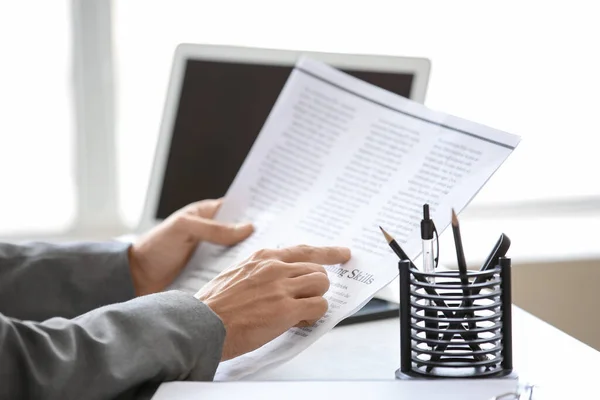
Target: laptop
column 217, row 101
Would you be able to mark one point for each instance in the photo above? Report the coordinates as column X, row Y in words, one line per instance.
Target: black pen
column 460, row 254
column 500, row 250
column 462, row 265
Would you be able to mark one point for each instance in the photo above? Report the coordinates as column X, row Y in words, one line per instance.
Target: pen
column 460, row 254
column 500, row 250
column 460, row 258
column 428, row 264
column 429, row 290
column 427, row 241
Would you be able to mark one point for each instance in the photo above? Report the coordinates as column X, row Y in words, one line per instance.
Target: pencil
column 429, row 290
column 396, row 247
column 428, row 313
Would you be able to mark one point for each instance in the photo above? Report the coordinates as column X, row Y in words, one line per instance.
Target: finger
column 310, row 285
column 217, row 232
column 318, row 255
column 293, row 270
column 311, row 309
column 205, row 208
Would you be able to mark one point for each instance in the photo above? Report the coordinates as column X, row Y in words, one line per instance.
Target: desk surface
column 542, row 355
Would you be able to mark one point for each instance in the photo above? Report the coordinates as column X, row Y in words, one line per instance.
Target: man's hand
column 269, row 293
column 160, row 255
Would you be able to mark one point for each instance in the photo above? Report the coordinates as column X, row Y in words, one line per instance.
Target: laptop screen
column 222, row 108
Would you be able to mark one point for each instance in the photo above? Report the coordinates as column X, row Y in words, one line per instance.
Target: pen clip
column 437, row 245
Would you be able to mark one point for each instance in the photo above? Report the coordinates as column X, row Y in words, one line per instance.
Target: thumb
column 222, row 233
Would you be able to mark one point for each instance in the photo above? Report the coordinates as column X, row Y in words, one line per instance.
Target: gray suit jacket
column 70, row 328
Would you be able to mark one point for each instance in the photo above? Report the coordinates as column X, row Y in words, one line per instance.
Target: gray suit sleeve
column 111, row 352
column 39, row 281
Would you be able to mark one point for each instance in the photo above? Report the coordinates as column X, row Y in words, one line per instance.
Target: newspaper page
column 336, row 158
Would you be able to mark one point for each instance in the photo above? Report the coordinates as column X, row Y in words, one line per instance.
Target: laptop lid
column 217, row 101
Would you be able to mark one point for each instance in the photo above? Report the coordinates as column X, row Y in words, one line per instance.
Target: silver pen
column 427, row 229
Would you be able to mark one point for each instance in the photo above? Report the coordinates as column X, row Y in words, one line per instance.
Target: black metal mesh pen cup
column 448, row 330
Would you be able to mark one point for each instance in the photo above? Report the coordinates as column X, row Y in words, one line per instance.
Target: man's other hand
column 270, row 292
column 157, row 258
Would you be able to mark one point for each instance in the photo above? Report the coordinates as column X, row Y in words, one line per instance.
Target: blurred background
column 83, row 84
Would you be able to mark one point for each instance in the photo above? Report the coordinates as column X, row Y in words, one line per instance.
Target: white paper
column 352, row 284
column 443, row 389
column 336, row 158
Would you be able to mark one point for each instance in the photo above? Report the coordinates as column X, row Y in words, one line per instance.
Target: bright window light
column 530, row 69
column 36, row 118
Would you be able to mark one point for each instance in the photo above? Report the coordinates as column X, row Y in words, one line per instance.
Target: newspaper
column 336, row 158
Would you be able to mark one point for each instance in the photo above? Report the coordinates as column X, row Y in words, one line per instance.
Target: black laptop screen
column 222, row 107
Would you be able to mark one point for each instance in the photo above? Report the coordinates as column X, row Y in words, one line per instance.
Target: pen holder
column 448, row 330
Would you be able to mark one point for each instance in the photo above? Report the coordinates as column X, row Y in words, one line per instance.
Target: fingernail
column 347, row 252
column 243, row 226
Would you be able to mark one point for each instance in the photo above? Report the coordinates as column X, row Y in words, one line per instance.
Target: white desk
column 371, row 351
